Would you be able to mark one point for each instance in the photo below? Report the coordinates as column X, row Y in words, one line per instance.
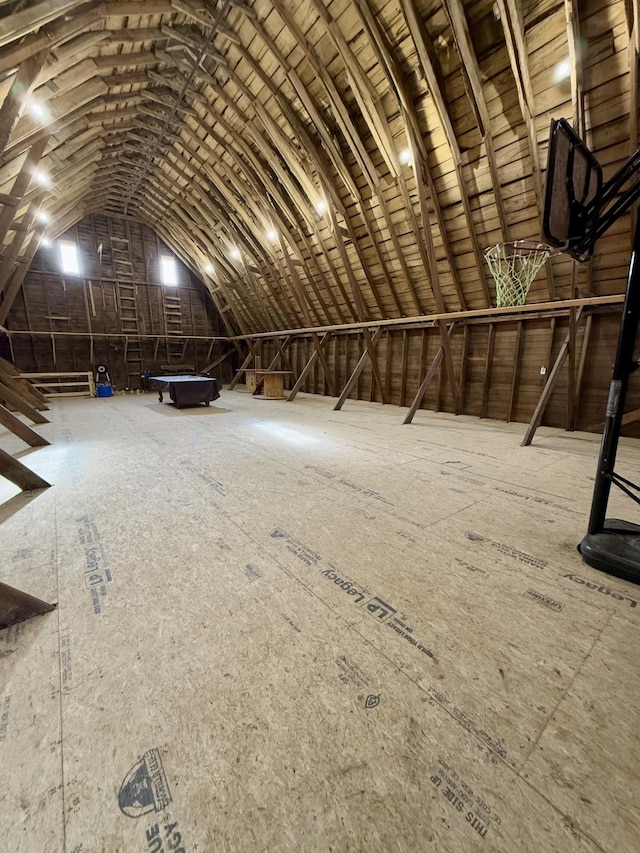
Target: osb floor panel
column 283, row 628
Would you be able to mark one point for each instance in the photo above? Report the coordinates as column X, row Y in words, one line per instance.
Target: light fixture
column 208, row 269
column 42, row 178
column 43, row 216
column 272, row 235
column 45, row 242
column 38, row 111
column 321, row 206
column 562, row 71
column 404, row 157
column 235, row 254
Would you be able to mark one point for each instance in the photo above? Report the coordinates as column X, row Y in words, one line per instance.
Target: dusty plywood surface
column 292, row 629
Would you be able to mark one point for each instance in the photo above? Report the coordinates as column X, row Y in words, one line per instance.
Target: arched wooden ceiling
column 264, row 140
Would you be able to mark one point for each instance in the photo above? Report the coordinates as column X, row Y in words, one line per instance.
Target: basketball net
column 514, row 267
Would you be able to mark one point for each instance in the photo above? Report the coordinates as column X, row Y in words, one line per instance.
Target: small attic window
column 69, row 257
column 168, row 270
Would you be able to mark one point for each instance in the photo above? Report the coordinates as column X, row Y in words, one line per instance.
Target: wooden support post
column 16, row 426
column 16, row 606
column 463, row 368
column 19, row 474
column 357, row 371
column 514, row 374
column 571, row 370
column 318, row 344
column 488, row 366
column 536, row 418
column 581, row 368
column 431, row 372
column 405, row 357
column 368, row 342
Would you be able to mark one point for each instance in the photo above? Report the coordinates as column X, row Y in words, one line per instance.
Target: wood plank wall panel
column 343, row 352
column 52, row 302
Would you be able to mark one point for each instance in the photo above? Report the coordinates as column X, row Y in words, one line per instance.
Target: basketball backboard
column 574, row 184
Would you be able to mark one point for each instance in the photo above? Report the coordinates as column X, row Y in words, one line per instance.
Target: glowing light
column 38, row 111
column 235, row 254
column 272, row 235
column 168, row 270
column 562, row 71
column 69, row 257
column 43, row 216
column 45, row 243
column 42, row 178
column 404, row 157
column 321, row 207
column 208, row 269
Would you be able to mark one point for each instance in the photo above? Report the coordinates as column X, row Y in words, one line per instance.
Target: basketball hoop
column 514, row 267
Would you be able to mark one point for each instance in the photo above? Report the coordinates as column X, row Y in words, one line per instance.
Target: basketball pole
column 622, row 369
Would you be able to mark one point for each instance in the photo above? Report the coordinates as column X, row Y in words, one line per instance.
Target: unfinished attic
column 318, row 426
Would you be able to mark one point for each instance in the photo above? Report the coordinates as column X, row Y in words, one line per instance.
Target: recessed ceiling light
column 404, row 157
column 235, row 254
column 272, row 235
column 208, row 269
column 43, row 216
column 321, row 206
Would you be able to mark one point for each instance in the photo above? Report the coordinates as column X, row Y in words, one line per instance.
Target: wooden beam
column 244, row 364
column 513, row 27
column 431, row 372
column 557, row 308
column 19, row 474
column 536, row 418
column 319, row 348
column 19, row 428
column 21, row 386
column 368, row 342
column 515, row 371
column 435, row 82
column 584, row 352
column 456, row 14
column 16, row 606
column 20, row 90
column 10, row 288
column 488, row 366
column 21, row 184
column 463, row 368
column 12, row 397
column 218, row 360
column 356, row 372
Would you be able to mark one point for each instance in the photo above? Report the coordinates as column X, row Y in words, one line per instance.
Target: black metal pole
column 622, row 369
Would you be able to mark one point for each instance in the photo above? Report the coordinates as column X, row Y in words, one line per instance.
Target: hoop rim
column 527, row 248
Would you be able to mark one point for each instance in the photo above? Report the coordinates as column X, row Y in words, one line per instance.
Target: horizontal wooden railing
column 56, row 384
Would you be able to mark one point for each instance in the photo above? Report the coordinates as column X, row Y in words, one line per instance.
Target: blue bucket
column 104, row 390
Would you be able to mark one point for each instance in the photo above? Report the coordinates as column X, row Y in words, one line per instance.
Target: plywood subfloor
column 283, row 628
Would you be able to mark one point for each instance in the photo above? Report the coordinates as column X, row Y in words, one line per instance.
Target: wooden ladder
column 126, row 293
column 176, row 345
